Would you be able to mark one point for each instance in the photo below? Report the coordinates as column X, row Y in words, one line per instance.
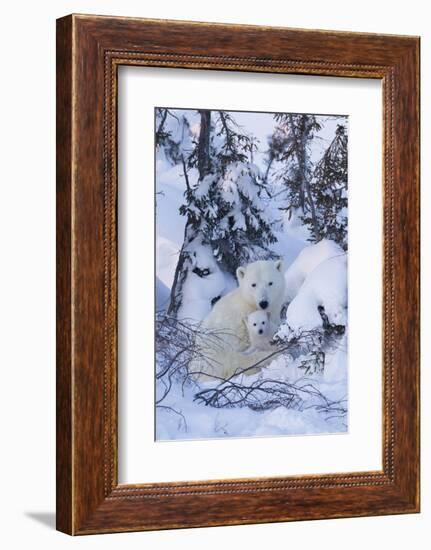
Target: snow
column 200, row 291
column 204, row 186
column 315, row 275
column 167, row 253
column 288, row 246
column 203, row 422
column 162, row 295
column 242, row 422
column 169, row 224
column 308, row 259
column 325, row 286
column 181, row 126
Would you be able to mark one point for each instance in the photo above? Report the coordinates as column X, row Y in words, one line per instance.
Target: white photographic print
column 251, row 273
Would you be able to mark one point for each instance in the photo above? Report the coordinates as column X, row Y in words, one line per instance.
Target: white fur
column 261, row 287
column 260, row 331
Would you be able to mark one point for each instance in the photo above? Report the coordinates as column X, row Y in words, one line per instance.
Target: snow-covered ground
column 315, row 276
column 198, row 421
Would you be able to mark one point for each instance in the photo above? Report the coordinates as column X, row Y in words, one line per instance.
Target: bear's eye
column 254, row 324
column 253, row 285
column 270, row 284
column 263, row 322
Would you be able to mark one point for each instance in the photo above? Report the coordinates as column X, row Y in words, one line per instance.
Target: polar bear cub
column 260, row 331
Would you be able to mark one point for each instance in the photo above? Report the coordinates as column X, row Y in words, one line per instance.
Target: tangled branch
column 177, row 346
column 268, row 393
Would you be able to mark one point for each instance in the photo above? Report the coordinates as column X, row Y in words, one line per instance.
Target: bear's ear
column 240, row 273
column 279, row 265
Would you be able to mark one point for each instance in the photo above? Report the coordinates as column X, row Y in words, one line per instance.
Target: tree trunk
column 312, row 210
column 305, row 185
column 184, row 260
column 180, row 276
column 204, row 162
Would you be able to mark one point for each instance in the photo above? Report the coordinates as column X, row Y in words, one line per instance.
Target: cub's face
column 262, row 283
column 258, row 323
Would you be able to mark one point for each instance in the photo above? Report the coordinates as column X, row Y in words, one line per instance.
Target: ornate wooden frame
column 89, row 51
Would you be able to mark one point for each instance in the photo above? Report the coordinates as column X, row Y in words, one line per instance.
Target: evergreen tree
column 228, row 214
column 200, row 157
column 290, row 145
column 329, row 190
column 224, row 209
column 227, row 207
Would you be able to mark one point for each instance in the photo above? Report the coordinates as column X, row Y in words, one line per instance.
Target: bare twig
column 179, row 343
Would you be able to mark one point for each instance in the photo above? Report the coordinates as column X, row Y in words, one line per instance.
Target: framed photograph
column 237, row 274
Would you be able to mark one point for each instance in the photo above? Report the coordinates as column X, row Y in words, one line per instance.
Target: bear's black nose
column 260, row 331
column 263, row 304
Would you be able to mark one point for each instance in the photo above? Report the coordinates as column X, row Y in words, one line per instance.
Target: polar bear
column 260, row 331
column 261, row 286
